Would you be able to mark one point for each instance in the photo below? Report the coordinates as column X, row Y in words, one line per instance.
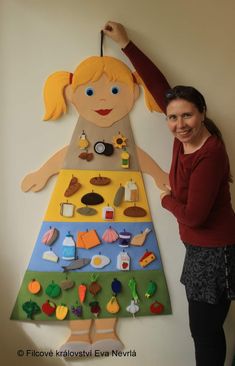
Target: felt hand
column 117, row 33
column 33, row 182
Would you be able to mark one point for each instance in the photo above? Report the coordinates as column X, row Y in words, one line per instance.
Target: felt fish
column 76, row 264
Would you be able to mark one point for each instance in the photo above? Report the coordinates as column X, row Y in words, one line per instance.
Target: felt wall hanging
column 102, row 146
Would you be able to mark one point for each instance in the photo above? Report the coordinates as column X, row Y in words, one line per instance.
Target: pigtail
column 149, row 100
column 54, row 99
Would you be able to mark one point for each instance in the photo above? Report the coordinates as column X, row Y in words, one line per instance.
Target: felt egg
column 99, row 261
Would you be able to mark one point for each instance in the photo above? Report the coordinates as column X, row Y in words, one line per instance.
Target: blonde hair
column 89, row 70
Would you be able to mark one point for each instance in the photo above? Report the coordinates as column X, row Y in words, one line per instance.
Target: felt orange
column 34, row 286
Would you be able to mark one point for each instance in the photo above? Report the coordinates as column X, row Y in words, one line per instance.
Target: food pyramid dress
column 96, row 255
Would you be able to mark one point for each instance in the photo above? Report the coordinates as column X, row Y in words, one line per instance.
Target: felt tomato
column 61, row 312
column 53, row 290
column 34, row 287
column 48, row 307
column 156, row 308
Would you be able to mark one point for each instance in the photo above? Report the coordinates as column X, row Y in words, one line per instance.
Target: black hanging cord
column 101, row 43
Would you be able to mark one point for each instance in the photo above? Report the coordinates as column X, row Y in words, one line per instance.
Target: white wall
column 193, row 43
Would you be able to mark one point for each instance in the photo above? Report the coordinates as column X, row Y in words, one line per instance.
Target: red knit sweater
column 200, row 198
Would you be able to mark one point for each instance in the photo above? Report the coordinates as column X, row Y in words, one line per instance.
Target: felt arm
column 149, row 166
column 37, row 180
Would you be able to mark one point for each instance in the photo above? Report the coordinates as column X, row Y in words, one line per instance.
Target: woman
column 199, row 198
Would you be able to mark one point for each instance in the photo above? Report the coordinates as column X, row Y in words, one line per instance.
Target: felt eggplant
column 116, row 286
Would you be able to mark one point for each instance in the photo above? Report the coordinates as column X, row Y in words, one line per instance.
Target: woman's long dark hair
column 192, row 95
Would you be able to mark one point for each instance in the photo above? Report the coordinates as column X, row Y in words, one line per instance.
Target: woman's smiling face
column 104, row 102
column 184, row 120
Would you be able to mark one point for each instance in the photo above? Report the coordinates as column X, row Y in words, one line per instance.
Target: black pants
column 206, row 325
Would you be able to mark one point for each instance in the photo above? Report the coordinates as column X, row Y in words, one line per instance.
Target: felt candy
column 48, row 308
column 113, row 306
column 100, row 181
column 92, row 199
column 139, row 239
column 61, row 312
column 135, row 211
column 116, row 286
column 119, row 141
column 34, row 287
column 50, row 256
column 73, row 187
column 147, row 258
column 50, row 236
column 156, row 308
column 31, row 308
column 53, row 290
column 95, row 308
column 123, row 261
column 86, row 156
column 76, row 264
column 133, row 307
column 133, row 287
column 67, row 284
column 99, row 261
column 87, row 211
column 82, row 293
column 110, row 235
column 151, row 289
column 119, row 195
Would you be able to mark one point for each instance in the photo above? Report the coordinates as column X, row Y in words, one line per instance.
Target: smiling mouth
column 103, row 112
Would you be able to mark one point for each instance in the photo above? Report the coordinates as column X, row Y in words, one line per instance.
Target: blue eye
column 115, row 90
column 89, row 91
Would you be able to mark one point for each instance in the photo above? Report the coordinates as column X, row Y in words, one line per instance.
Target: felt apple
column 48, row 307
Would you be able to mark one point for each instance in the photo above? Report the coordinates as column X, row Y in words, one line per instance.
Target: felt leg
column 105, row 337
column 79, row 339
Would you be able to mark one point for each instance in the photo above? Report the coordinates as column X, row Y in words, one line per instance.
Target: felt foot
column 107, row 345
column 79, row 349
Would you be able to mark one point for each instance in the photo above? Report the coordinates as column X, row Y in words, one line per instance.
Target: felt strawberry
column 48, row 307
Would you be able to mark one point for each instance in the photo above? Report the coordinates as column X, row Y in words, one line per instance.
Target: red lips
column 103, row 112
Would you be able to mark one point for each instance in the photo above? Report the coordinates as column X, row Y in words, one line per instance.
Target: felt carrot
column 82, row 293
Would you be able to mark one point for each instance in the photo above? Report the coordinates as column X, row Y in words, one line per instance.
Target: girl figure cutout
column 103, row 90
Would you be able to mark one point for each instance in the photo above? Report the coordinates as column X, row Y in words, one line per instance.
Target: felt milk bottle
column 68, row 247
